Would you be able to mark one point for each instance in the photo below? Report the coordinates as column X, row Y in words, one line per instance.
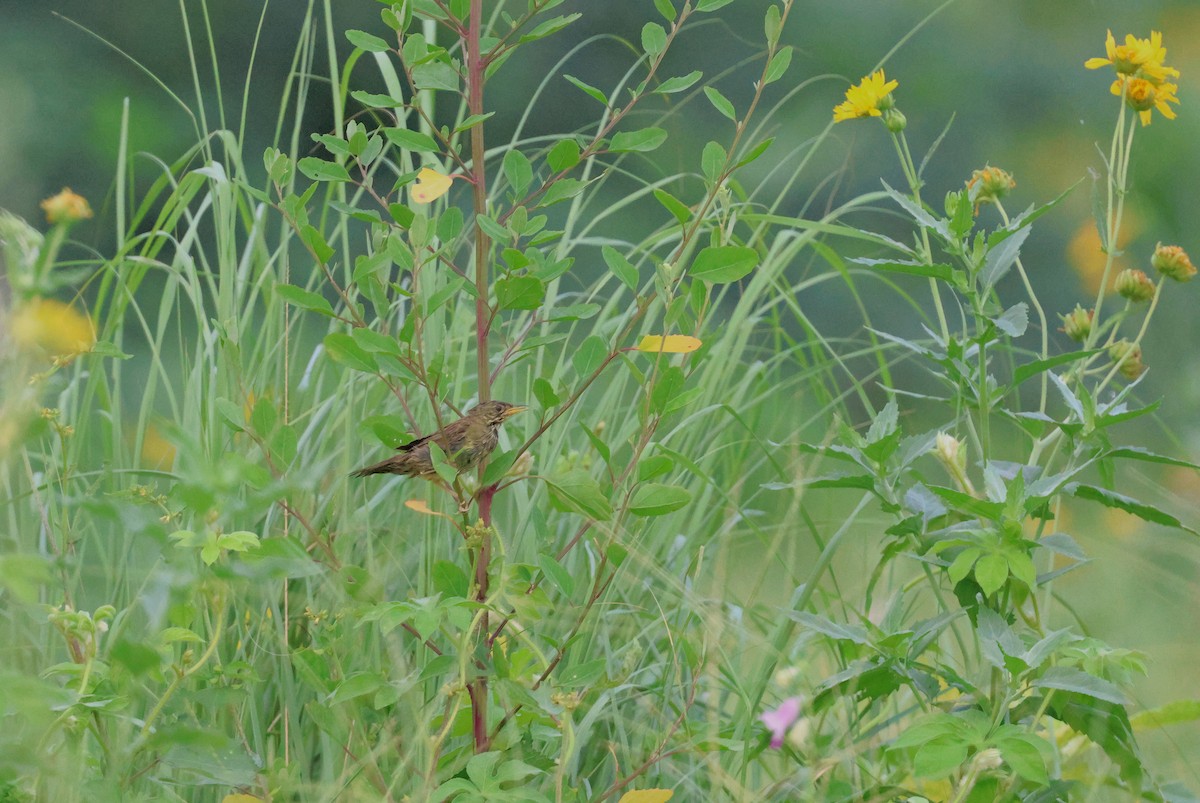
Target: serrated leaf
column 1014, row 321
column 1118, row 501
column 1070, row 679
column 1001, row 258
column 945, row 273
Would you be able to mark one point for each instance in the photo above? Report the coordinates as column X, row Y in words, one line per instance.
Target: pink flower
column 781, row 719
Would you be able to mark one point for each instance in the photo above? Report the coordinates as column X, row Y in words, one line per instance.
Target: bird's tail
column 378, row 468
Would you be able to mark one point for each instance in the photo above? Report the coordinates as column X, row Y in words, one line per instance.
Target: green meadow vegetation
column 724, row 554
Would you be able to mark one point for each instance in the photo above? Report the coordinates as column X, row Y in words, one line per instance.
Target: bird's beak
column 514, row 410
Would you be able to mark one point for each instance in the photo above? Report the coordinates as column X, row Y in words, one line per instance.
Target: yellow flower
column 66, row 207
column 1142, row 96
column 1173, row 262
column 870, row 98
column 989, row 185
column 430, row 186
column 52, row 326
column 1140, row 58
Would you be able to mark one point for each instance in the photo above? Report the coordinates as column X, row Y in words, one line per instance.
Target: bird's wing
column 408, row 447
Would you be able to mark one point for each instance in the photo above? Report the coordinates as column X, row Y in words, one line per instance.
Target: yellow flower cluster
column 53, row 327
column 1143, row 79
column 66, row 207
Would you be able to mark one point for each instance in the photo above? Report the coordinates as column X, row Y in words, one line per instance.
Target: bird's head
column 495, row 413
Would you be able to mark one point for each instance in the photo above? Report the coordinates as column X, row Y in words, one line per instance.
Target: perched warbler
column 465, row 442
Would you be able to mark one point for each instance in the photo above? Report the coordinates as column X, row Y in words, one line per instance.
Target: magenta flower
column 781, row 719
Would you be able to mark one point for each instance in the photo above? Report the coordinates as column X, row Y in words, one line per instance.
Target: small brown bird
column 465, row 442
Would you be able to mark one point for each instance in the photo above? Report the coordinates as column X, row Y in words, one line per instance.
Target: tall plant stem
column 475, row 77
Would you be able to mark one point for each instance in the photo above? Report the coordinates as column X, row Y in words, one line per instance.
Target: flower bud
column 894, row 119
column 1128, row 358
column 66, row 207
column 948, row 450
column 1172, row 261
column 1135, row 285
column 1077, row 324
column 989, row 185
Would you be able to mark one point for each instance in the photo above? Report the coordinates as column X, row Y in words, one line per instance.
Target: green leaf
column 368, row 42
column 647, row 139
column 711, row 5
column 342, row 348
column 1118, row 501
column 772, row 24
column 561, row 190
column 939, row 757
column 666, row 388
column 655, row 499
column 587, row 88
column 316, row 241
column 1070, row 679
column 1105, row 723
column 321, row 170
column 589, row 356
column 520, row 292
column 712, row 161
column 543, row 391
column 1173, row 713
column 723, row 263
column 550, row 26
column 472, row 121
column 1032, row 369
column 720, row 103
column 563, row 156
column 666, row 9
column 576, row 490
column 1020, row 752
column 449, row 579
column 411, row 140
column 436, row 75
column 620, row 266
column 1001, row 258
column 673, row 205
column 991, row 572
column 518, row 171
column 654, row 38
column 679, row 83
column 555, row 571
column 937, row 271
column 779, row 64
column 356, row 685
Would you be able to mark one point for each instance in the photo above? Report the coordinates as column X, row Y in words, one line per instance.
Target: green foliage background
column 1012, row 75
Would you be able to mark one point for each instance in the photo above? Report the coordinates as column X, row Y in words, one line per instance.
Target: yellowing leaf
column 669, row 344
column 430, row 186
column 647, row 796
column 420, row 507
column 241, row 798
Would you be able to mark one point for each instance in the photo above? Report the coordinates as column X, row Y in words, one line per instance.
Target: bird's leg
column 464, row 501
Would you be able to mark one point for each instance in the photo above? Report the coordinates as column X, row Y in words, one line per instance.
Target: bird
column 465, row 442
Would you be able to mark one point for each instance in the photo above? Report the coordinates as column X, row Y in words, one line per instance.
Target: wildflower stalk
column 914, row 186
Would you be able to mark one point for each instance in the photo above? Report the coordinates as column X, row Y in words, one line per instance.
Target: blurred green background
column 1010, row 73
